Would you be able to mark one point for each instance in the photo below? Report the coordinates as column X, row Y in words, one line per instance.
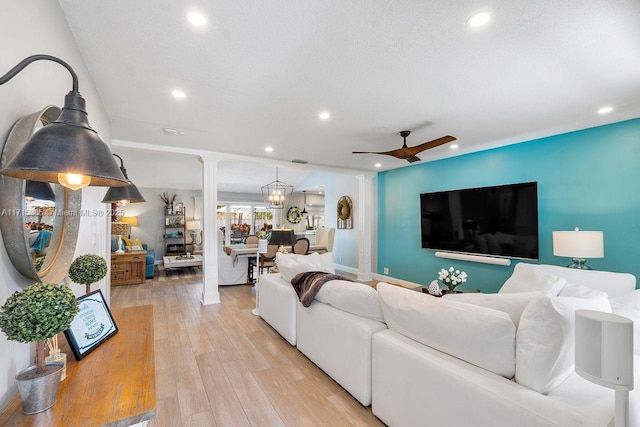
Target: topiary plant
column 88, row 269
column 38, row 312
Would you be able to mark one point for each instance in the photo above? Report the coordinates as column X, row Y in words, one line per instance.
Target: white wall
column 345, row 245
column 28, row 28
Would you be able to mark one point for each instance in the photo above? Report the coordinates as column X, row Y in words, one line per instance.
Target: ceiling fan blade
column 428, row 145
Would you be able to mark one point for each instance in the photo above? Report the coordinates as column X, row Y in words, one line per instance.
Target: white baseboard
column 346, row 268
column 405, row 283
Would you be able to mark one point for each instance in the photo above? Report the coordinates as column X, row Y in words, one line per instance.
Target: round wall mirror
column 39, row 221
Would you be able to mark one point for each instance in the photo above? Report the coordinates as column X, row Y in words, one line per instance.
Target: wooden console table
column 114, row 385
column 128, row 268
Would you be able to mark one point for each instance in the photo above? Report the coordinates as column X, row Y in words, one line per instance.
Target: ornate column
column 366, row 214
column 210, row 294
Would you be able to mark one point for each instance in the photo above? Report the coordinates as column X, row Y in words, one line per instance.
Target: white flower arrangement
column 452, row 278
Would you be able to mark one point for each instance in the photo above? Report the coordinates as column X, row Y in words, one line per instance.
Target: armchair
column 325, row 236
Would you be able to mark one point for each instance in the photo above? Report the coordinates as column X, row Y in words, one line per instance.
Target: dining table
column 244, row 250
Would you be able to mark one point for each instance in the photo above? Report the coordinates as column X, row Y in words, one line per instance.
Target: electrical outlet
column 386, row 270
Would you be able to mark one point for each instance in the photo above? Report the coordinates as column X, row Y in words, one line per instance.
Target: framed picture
column 92, row 326
column 178, row 208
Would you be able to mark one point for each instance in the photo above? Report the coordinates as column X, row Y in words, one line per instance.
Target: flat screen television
column 500, row 221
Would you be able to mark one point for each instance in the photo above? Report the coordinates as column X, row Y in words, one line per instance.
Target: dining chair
column 268, row 260
column 301, row 247
column 251, row 239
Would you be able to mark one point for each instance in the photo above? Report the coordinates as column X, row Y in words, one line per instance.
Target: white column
column 253, row 220
column 366, row 216
column 227, row 225
column 210, row 294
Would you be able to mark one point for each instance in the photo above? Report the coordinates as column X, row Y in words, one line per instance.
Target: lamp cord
column 28, row 60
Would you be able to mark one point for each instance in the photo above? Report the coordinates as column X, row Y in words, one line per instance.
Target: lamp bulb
column 123, row 202
column 74, row 181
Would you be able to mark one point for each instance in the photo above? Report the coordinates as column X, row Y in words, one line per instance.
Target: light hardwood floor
column 220, row 365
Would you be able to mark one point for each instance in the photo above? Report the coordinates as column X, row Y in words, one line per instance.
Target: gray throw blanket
column 308, row 284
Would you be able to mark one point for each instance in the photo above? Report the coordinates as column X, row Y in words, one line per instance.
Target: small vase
column 57, row 356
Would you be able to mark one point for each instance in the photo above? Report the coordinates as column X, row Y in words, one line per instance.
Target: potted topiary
column 88, row 269
column 37, row 313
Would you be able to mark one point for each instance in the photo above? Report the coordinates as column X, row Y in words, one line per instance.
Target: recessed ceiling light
column 268, row 149
column 319, row 192
column 454, row 146
column 173, row 131
column 605, row 110
column 324, row 115
column 196, row 19
column 378, row 165
column 478, row 19
column 178, row 94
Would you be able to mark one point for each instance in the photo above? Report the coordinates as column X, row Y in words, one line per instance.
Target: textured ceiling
column 260, row 72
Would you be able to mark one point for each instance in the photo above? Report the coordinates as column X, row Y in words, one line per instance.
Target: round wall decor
column 293, row 215
column 345, row 212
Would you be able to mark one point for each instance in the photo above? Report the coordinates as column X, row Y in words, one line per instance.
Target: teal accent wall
column 588, row 179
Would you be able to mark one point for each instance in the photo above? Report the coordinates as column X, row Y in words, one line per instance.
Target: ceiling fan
column 409, row 153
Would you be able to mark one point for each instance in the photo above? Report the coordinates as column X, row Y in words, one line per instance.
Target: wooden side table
column 128, row 268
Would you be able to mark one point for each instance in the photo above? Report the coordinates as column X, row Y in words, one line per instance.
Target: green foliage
column 38, row 312
column 87, row 269
column 37, row 264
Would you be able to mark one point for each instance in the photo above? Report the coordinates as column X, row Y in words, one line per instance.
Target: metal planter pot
column 39, row 393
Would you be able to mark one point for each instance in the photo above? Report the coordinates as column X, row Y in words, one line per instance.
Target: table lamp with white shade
column 193, row 227
column 579, row 245
column 604, row 355
column 263, row 245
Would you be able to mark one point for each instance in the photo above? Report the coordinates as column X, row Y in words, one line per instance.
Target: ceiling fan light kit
column 410, row 153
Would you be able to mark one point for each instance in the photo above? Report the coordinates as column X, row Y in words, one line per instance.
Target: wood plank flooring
column 220, row 365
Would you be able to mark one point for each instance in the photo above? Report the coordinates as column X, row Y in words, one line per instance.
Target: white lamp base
column 622, row 407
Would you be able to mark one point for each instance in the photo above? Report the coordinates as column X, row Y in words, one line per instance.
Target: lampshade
column 131, row 220
column 284, row 237
column 123, row 195
column 39, row 190
column 68, row 150
column 120, row 228
column 274, row 193
column 193, row 225
column 578, row 244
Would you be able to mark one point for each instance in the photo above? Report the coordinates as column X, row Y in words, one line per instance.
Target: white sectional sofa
column 423, row 364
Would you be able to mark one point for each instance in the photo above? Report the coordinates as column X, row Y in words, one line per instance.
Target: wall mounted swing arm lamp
column 123, row 195
column 67, row 151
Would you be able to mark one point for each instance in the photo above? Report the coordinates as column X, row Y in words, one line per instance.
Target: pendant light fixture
column 126, row 194
column 68, row 150
column 304, row 198
column 274, row 193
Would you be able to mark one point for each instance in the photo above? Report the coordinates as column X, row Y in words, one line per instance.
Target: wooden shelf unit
column 175, row 224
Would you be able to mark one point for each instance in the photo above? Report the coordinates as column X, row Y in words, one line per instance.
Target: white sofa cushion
column 481, row 336
column 511, row 303
column 352, row 297
column 605, row 281
column 529, row 278
column 545, row 351
column 292, row 264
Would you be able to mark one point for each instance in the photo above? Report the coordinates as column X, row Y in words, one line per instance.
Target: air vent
column 302, row 162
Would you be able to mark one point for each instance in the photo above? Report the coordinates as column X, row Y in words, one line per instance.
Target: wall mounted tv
column 500, row 221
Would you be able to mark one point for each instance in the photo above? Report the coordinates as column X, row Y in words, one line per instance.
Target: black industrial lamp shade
column 127, row 194
column 67, row 146
column 39, row 190
column 282, row 237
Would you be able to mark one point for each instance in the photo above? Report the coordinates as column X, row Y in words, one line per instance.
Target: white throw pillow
column 545, row 348
column 580, row 291
column 352, row 297
column 511, row 303
column 292, row 264
column 481, row 336
column 529, row 278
